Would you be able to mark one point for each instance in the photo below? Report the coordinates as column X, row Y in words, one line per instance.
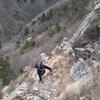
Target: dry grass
column 68, row 52
column 62, row 75
column 72, row 89
column 5, row 90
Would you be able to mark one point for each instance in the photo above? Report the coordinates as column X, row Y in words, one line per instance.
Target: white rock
column 35, row 89
column 44, row 56
column 36, row 98
column 19, row 91
column 97, row 6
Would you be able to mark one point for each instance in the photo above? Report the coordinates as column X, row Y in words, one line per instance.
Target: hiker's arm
column 48, row 68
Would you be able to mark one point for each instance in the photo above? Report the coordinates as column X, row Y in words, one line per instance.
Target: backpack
column 41, row 67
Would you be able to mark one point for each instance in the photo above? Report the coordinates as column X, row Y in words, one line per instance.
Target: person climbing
column 41, row 70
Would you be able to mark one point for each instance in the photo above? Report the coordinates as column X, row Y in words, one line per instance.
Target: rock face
column 79, row 70
column 73, row 78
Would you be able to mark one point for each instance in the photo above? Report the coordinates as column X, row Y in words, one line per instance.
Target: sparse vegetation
column 64, row 28
column 18, row 44
column 32, row 0
column 32, row 31
column 0, row 45
column 26, row 31
column 6, row 74
column 21, row 71
column 57, row 27
column 77, row 13
column 27, row 45
column 51, row 32
column 92, row 32
column 33, row 22
column 22, row 1
column 80, row 12
column 43, row 17
column 65, row 7
column 49, row 14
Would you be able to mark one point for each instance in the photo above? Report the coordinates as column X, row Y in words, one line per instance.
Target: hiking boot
column 41, row 81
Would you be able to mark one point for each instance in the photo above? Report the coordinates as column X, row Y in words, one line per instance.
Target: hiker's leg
column 40, row 76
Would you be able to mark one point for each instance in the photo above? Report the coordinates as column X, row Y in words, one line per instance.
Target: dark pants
column 40, row 74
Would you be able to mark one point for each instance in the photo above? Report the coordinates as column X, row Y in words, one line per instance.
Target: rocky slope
column 76, row 68
column 47, row 34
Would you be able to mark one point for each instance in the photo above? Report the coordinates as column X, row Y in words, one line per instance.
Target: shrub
column 49, row 14
column 32, row 0
column 57, row 27
column 32, row 31
column 6, row 74
column 33, row 43
column 18, row 0
column 64, row 29
column 43, row 17
column 21, row 51
column 92, row 33
column 26, row 31
column 18, row 44
column 33, row 22
column 27, row 45
column 65, row 7
column 80, row 12
column 0, row 45
column 21, row 71
column 51, row 32
column 25, row 1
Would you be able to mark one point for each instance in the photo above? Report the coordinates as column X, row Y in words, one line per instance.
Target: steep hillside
column 75, row 64
column 16, row 13
column 44, row 32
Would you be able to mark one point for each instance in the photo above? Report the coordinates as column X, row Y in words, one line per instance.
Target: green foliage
column 47, row 0
column 18, row 0
column 22, row 51
column 22, row 1
column 33, row 22
column 57, row 27
column 64, row 29
column 33, row 43
column 65, row 7
column 27, row 45
column 18, row 44
column 26, row 31
column 51, row 32
column 43, row 18
column 91, row 33
column 80, row 12
column 32, row 0
column 6, row 74
column 32, row 31
column 0, row 45
column 49, row 14
column 76, row 13
column 21, row 71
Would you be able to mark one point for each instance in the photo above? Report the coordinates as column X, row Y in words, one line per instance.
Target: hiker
column 41, row 70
